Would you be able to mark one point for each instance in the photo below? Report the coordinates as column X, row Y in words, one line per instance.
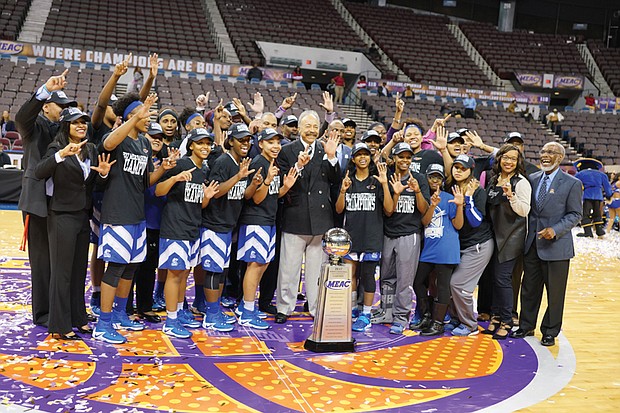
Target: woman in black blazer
column 70, row 168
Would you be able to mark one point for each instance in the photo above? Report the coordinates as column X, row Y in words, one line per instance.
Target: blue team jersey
column 441, row 239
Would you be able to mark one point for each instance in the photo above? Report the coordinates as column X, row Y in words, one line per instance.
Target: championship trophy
column 332, row 325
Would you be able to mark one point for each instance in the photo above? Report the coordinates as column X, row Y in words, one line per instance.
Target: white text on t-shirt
column 405, row 205
column 193, row 192
column 134, row 164
column 237, row 192
column 360, row 201
column 274, row 186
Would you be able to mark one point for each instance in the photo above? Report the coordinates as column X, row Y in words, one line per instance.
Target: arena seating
column 12, row 18
column 597, row 135
column 420, row 45
column 19, row 80
column 521, row 50
column 179, row 29
column 608, row 60
column 493, row 126
column 313, row 23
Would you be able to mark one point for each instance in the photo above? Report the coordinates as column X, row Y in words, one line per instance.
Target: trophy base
column 330, row 347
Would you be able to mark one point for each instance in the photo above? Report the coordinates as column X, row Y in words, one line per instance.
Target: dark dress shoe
column 68, row 336
column 548, row 340
column 86, row 330
column 301, row 296
column 151, row 318
column 269, row 309
column 521, row 333
column 306, row 309
column 91, row 318
column 434, row 329
column 281, row 318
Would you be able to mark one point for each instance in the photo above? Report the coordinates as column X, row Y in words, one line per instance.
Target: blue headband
column 192, row 116
column 130, row 108
column 167, row 112
column 415, row 126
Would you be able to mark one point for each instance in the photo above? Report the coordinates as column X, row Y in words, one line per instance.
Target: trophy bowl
column 336, row 242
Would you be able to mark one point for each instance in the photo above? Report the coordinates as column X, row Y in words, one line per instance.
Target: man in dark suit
column 37, row 122
column 556, row 209
column 307, row 212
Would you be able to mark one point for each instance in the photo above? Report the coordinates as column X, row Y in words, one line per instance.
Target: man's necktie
column 542, row 193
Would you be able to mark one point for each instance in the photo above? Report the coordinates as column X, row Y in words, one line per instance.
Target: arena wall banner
column 71, row 54
column 497, row 95
column 555, row 81
column 529, row 79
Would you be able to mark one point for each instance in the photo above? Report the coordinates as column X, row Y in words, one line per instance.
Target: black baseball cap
column 71, row 113
column 112, row 100
column 155, row 129
column 349, row 122
column 359, row 147
column 435, row 168
column 513, row 136
column 465, row 160
column 238, row 131
column 268, row 133
column 196, row 135
column 289, row 120
column 232, row 109
column 60, row 98
column 371, row 135
column 454, row 135
column 462, row 131
column 401, row 147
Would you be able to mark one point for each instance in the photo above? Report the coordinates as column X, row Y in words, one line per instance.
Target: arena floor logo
column 265, row 371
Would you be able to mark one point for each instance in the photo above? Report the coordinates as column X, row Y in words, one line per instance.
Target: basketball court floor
column 269, row 371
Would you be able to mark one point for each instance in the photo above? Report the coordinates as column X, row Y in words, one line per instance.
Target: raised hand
column 290, row 178
column 331, row 144
column 218, row 111
column 173, row 154
column 382, row 177
column 259, row 103
column 244, row 168
column 104, row 164
column 240, row 107
column 271, row 173
column 288, row 102
column 144, row 111
column 441, row 140
column 205, row 101
column 346, row 183
column 258, row 177
column 400, row 105
column 184, row 176
column 328, row 102
column 472, row 185
column 119, row 122
column 303, row 158
column 507, row 188
column 440, row 122
column 121, row 68
column 413, row 183
column 153, row 64
column 436, row 198
column 399, row 136
column 473, row 139
column 211, row 190
column 459, row 199
column 55, row 83
column 397, row 185
column 72, row 149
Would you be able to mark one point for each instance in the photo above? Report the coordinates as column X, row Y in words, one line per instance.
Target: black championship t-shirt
column 183, row 211
column 96, row 134
column 406, row 219
column 468, row 235
column 363, row 216
column 423, row 159
column 265, row 212
column 123, row 203
column 483, row 163
column 222, row 213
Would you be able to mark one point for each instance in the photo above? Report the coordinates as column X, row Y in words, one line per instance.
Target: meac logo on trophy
column 332, row 324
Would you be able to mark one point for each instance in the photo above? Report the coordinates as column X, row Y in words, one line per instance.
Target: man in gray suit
column 556, row 209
